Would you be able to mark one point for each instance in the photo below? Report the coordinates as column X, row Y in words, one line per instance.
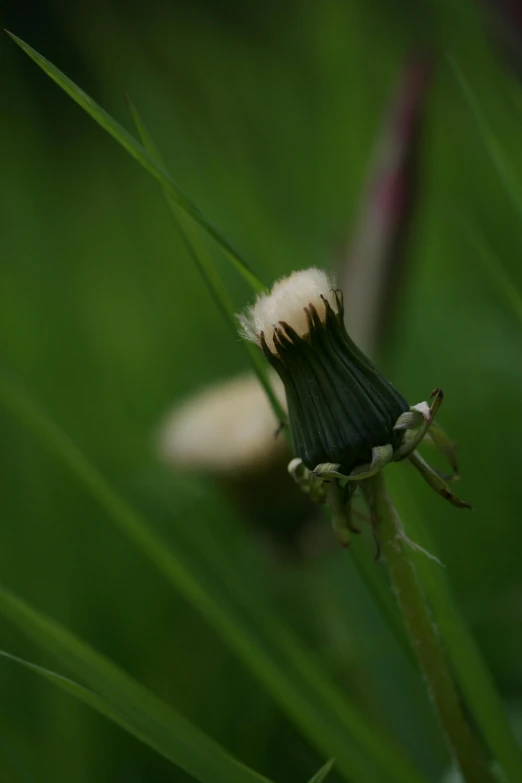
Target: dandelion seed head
column 287, row 302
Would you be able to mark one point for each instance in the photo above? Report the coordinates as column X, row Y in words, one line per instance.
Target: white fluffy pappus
column 286, row 302
column 226, row 428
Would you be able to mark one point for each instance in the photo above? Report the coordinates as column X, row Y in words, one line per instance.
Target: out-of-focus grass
column 269, row 129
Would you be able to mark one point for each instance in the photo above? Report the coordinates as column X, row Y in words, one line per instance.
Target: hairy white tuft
column 286, row 302
column 226, row 428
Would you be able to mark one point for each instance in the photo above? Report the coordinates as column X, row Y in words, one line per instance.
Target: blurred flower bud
column 228, row 432
column 228, row 428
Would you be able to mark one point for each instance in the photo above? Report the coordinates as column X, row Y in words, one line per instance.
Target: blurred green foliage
column 267, row 118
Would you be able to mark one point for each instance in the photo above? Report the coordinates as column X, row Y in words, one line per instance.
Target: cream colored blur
column 225, row 428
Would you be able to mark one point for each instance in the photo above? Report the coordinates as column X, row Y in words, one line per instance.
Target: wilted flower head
column 340, row 407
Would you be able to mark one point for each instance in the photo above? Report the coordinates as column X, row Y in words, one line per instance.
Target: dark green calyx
column 339, row 405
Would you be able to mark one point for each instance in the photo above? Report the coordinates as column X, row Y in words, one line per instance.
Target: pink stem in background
column 373, row 264
column 510, row 11
column 503, row 22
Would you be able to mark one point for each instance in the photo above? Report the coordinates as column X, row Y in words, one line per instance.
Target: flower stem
column 424, row 638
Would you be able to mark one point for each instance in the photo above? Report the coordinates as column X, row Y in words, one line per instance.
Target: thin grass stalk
column 197, row 251
column 469, row 667
column 323, row 773
column 136, row 151
column 498, row 273
column 425, row 640
column 493, row 147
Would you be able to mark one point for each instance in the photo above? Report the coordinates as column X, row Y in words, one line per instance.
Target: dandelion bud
column 339, row 405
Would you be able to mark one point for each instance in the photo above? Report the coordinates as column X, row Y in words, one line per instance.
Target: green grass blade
column 136, row 151
column 200, row 256
column 468, row 665
column 272, row 653
column 491, row 143
column 496, row 270
column 322, row 774
column 114, row 694
column 380, row 592
column 511, row 185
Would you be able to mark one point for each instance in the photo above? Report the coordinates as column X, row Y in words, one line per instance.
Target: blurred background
column 269, row 116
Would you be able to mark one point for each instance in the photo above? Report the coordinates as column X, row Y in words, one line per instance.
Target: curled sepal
column 327, row 471
column 381, row 456
column 413, row 418
column 306, row 481
column 412, row 440
column 435, row 481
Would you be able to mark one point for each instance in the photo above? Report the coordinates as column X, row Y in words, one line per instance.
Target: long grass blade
column 468, row 664
column 511, row 185
column 491, row 143
column 323, row 773
column 293, row 677
column 114, row 694
column 200, row 256
column 496, row 270
column 136, row 151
